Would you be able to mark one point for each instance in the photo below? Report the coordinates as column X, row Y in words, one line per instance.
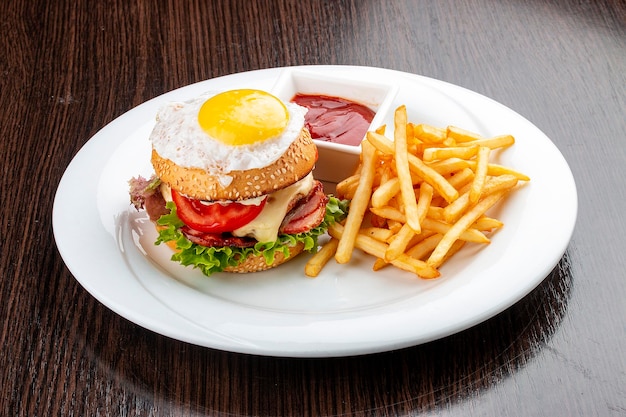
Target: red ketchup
column 335, row 119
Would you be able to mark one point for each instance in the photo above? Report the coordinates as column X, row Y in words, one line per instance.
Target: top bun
column 292, row 166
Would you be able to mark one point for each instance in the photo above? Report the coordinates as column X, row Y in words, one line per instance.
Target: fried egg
column 234, row 130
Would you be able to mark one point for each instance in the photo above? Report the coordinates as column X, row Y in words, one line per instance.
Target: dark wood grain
column 67, row 68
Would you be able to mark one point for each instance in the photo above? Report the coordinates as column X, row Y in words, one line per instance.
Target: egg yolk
column 243, row 117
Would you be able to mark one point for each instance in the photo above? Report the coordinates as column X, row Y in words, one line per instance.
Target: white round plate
column 348, row 309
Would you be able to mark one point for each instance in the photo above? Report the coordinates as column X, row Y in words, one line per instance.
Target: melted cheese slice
column 264, row 227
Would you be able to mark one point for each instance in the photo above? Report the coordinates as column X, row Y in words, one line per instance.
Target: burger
column 233, row 187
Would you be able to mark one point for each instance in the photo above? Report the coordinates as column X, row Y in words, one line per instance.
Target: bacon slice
column 154, row 205
column 308, row 213
column 216, row 239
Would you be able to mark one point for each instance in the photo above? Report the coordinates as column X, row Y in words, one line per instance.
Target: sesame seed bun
column 292, row 166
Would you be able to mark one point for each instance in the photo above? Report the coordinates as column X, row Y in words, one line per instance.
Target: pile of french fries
column 418, row 199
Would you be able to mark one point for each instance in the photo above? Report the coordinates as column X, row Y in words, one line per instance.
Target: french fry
column 435, row 213
column 402, row 168
column 429, row 134
column 418, row 238
column 461, row 178
column 495, row 170
column 316, row 262
column 455, row 232
column 399, row 242
column 378, row 233
column 461, row 135
column 480, row 175
column 454, row 210
column 501, row 182
column 486, row 224
column 426, row 246
column 347, row 187
column 468, row 234
column 423, row 201
column 390, row 213
column 449, row 166
column 358, row 205
column 379, row 264
column 496, row 142
column 385, row 192
column 462, row 152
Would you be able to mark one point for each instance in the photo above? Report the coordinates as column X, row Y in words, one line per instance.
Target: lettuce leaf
column 215, row 259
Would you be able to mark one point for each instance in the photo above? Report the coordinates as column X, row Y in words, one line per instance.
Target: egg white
column 178, row 137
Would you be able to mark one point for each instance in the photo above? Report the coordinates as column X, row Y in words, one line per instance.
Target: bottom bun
column 257, row 263
column 254, row 263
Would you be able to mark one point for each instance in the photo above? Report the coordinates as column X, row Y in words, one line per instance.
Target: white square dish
column 337, row 161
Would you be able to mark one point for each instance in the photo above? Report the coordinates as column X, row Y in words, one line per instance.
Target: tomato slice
column 215, row 217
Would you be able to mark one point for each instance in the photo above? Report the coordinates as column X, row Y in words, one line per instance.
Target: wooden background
column 69, row 67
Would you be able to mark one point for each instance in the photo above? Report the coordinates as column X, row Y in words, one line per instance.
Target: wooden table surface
column 68, row 68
